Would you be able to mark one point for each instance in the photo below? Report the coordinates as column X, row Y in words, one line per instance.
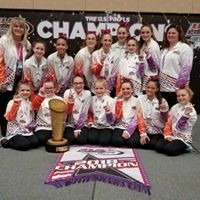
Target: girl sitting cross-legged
column 102, row 109
column 20, row 117
column 178, row 129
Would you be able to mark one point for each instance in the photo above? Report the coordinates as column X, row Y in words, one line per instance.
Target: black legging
column 5, row 97
column 135, row 141
column 81, row 139
column 22, row 143
column 100, row 136
column 173, row 148
column 43, row 136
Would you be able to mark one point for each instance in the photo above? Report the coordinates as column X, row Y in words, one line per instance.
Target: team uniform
column 12, row 57
column 108, row 69
column 34, row 71
column 152, row 61
column 62, row 70
column 77, row 116
column 153, row 121
column 179, row 128
column 130, row 68
column 176, row 65
column 43, row 130
column 126, row 120
column 120, row 50
column 83, row 60
column 101, row 128
column 20, row 116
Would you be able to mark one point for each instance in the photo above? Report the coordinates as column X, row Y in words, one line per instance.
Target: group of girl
column 124, row 69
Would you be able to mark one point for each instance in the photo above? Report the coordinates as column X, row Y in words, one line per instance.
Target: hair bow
column 102, row 77
column 124, row 24
column 47, row 78
column 105, row 31
column 153, row 78
column 63, row 35
column 125, row 79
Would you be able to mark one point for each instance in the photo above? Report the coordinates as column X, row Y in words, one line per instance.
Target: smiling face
column 132, row 46
column 122, row 35
column 61, row 46
column 18, row 31
column 151, row 89
column 24, row 91
column 146, row 33
column 78, row 84
column 100, row 88
column 183, row 96
column 49, row 88
column 39, row 50
column 91, row 40
column 172, row 36
column 106, row 42
column 127, row 90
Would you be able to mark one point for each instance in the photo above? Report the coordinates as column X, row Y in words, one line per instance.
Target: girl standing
column 20, row 117
column 151, row 52
column 35, row 68
column 102, row 109
column 40, row 103
column 61, row 65
column 83, row 58
column 14, row 47
column 178, row 129
column 120, row 47
column 105, row 62
column 131, row 67
column 78, row 102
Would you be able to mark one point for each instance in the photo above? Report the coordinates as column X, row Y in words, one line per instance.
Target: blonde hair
column 21, row 22
column 103, row 82
column 188, row 89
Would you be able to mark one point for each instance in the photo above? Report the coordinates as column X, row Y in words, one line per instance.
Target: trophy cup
column 58, row 115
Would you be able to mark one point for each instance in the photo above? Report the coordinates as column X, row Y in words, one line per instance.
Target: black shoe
column 4, row 143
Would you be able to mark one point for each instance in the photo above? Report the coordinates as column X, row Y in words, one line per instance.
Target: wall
column 182, row 6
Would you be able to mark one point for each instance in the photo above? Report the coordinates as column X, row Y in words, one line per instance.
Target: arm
column 78, row 61
column 3, row 78
column 36, row 103
column 132, row 126
column 186, row 61
column 140, row 120
column 168, row 127
column 11, row 112
column 96, row 66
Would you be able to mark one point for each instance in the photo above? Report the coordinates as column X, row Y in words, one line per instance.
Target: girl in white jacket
column 178, row 128
column 20, row 117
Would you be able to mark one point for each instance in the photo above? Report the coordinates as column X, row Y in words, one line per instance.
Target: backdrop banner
column 49, row 24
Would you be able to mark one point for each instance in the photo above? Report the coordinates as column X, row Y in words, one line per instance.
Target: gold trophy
column 58, row 116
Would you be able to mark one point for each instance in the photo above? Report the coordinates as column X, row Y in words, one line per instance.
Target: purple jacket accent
column 183, row 76
column 81, row 121
column 153, row 65
column 63, row 88
column 182, row 123
column 140, row 71
column 164, row 116
column 111, row 82
column 132, row 126
column 110, row 118
column 31, row 126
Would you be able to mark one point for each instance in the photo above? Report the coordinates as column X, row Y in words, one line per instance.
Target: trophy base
column 57, row 146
